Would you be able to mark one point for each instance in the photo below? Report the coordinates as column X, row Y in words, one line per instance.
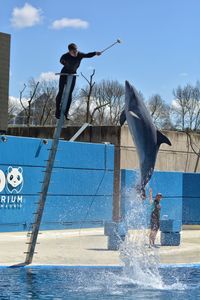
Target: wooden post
column 117, row 180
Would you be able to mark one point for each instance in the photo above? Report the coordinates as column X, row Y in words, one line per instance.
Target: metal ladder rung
column 28, row 243
column 43, row 182
column 29, row 233
column 54, row 160
column 47, row 173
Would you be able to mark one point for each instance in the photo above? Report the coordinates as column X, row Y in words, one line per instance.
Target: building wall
column 179, row 157
column 4, row 79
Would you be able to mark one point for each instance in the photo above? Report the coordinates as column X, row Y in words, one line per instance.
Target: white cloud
column 15, row 102
column 183, row 74
column 26, row 16
column 48, row 76
column 73, row 23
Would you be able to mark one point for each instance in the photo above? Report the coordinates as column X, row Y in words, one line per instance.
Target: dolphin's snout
column 130, row 91
column 127, row 84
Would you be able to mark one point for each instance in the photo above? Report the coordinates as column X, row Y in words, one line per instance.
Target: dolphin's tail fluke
column 161, row 138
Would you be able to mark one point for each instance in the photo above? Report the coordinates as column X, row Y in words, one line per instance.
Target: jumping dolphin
column 144, row 133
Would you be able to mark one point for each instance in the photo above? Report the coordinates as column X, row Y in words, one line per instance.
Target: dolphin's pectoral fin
column 134, row 114
column 161, row 138
column 122, row 118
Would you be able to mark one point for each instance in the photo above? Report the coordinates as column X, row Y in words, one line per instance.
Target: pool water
column 96, row 283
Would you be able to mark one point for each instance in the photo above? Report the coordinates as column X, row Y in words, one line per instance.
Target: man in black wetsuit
column 71, row 61
column 155, row 219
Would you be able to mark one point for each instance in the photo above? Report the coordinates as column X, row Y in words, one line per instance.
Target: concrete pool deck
column 89, row 247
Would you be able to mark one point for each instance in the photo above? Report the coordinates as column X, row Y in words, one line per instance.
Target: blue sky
column 160, row 49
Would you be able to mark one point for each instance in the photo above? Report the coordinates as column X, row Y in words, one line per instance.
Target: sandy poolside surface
column 88, row 247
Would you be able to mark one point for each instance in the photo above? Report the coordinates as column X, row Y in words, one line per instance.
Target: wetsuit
column 71, row 64
column 155, row 216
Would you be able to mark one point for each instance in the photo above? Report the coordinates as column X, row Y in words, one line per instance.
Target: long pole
column 48, row 172
column 118, row 41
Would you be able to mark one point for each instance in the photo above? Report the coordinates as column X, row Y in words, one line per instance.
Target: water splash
column 141, row 264
column 141, row 269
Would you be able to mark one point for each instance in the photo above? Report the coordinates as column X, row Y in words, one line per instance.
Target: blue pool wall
column 81, row 188
column 191, row 198
column 181, row 194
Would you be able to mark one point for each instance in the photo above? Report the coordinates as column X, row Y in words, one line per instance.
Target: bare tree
column 99, row 104
column 159, row 111
column 186, row 107
column 92, row 106
column 194, row 108
column 108, row 97
column 27, row 109
column 44, row 105
column 87, row 92
column 40, row 107
column 13, row 109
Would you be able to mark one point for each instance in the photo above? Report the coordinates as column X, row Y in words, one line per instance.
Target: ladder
column 47, row 174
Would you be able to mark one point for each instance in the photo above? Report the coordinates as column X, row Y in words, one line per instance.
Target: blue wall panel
column 80, row 191
column 23, row 151
column 81, row 182
column 168, row 183
column 191, row 198
column 33, row 152
column 79, row 155
column 76, row 212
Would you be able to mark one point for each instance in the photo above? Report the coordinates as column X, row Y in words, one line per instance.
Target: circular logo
column 14, row 179
column 2, row 180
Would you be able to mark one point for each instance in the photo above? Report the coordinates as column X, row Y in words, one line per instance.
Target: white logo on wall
column 14, row 180
column 2, row 181
column 12, row 183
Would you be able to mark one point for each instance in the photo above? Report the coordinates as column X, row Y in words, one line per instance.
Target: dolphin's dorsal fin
column 133, row 114
column 122, row 118
column 161, row 138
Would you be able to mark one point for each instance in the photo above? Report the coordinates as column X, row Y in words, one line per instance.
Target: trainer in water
column 71, row 61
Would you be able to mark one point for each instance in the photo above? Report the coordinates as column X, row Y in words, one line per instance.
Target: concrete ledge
column 191, row 227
